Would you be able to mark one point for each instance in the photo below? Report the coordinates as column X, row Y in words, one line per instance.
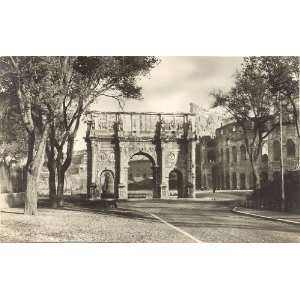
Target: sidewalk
column 284, row 217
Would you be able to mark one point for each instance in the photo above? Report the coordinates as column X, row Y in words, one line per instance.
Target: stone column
column 191, row 174
column 94, row 162
column 238, row 153
column 93, row 169
column 237, row 179
column 164, row 193
column 155, row 182
column 247, row 181
column 230, row 177
column 123, row 173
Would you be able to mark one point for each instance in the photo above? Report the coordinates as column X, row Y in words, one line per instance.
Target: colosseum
column 224, row 162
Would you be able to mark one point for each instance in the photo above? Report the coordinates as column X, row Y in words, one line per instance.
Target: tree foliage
column 254, row 100
column 52, row 93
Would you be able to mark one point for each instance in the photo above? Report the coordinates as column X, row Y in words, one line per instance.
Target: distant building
column 75, row 178
column 224, row 161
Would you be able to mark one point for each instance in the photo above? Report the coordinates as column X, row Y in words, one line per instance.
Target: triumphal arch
column 167, row 140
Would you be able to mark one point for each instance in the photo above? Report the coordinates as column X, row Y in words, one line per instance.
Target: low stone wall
column 140, row 194
column 11, row 200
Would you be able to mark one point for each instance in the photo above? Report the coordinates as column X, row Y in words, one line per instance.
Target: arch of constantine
column 167, row 140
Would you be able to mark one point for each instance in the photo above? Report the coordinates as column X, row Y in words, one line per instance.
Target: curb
column 236, row 211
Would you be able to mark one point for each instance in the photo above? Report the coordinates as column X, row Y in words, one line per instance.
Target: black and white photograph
column 149, row 150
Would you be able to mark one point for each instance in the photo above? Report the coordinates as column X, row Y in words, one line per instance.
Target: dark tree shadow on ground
column 80, row 204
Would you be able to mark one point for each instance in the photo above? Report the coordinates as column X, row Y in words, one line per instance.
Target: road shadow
column 96, row 207
column 12, row 212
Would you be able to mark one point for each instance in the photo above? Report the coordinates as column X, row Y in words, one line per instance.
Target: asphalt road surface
column 213, row 221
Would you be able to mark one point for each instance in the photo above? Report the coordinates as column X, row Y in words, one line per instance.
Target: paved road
column 210, row 221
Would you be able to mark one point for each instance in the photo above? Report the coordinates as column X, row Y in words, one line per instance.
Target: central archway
column 141, row 176
column 176, row 183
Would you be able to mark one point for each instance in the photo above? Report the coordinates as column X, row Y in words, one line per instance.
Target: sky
column 174, row 83
column 177, row 81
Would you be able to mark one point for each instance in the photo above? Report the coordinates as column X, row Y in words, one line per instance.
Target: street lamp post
column 283, row 204
column 298, row 115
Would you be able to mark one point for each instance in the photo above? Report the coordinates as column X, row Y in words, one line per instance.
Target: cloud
column 177, row 81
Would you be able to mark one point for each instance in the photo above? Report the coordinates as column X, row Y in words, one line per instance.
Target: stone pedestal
column 156, row 187
column 122, row 191
column 164, row 193
column 93, row 192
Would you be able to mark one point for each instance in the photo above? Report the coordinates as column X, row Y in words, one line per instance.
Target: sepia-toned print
column 149, row 149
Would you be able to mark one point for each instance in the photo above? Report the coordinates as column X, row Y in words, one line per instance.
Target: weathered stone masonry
column 167, row 140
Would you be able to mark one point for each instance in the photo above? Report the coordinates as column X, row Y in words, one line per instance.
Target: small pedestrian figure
column 214, row 172
column 214, row 191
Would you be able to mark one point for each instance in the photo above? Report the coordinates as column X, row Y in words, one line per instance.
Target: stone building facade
column 75, row 177
column 224, row 161
column 167, row 140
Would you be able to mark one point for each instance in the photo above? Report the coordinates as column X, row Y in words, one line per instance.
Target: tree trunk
column 33, row 174
column 62, row 167
column 52, row 185
column 31, row 195
column 30, row 152
column 52, row 174
column 60, row 189
column 256, row 181
column 60, row 179
column 298, row 166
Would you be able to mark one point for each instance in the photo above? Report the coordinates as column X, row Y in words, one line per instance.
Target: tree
column 91, row 77
column 11, row 132
column 12, row 147
column 251, row 102
column 35, row 85
column 282, row 74
column 52, row 94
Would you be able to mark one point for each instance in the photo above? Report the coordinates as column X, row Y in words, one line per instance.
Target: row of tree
column 262, row 88
column 47, row 98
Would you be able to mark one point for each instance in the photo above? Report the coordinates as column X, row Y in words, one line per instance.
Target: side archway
column 290, row 148
column 276, row 151
column 107, row 184
column 176, row 183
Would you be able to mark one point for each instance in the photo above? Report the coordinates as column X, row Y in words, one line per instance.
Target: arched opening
column 221, row 184
column 204, row 182
column 141, row 177
column 276, row 151
column 227, row 180
column 215, row 177
column 290, row 148
column 234, row 181
column 265, row 161
column 211, row 156
column 242, row 181
column 276, row 175
column 243, row 152
column 227, row 156
column 265, row 149
column 234, row 154
column 176, row 183
column 107, row 185
column 263, row 178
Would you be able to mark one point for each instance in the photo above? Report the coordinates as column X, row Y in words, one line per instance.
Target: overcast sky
column 176, row 82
